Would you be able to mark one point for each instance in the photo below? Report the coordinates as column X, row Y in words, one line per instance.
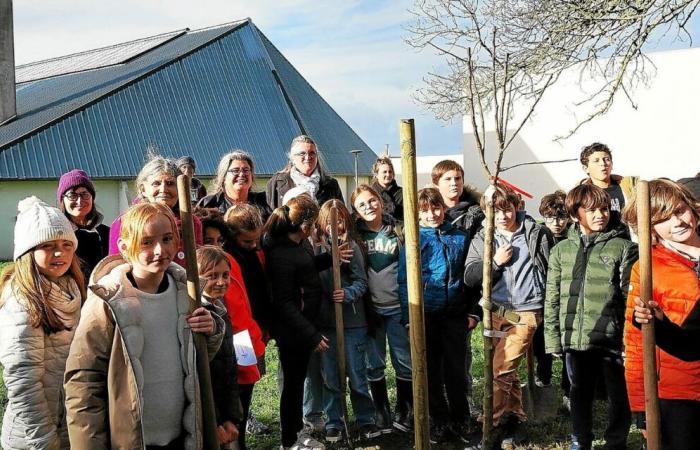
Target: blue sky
column 352, row 52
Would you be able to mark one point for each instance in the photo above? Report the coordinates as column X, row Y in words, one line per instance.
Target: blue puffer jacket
column 443, row 252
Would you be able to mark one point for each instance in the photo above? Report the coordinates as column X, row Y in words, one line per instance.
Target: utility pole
column 355, row 154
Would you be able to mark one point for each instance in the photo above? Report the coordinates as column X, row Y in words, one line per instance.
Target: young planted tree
column 501, row 56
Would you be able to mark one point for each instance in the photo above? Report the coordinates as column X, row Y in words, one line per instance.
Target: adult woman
column 234, row 178
column 76, row 199
column 156, row 183
column 385, row 185
column 303, row 169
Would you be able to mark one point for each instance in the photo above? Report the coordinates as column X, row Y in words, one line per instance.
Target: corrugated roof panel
column 333, row 135
column 213, row 91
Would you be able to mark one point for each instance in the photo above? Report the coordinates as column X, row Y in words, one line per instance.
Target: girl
column 676, row 279
column 382, row 242
column 354, row 286
column 157, row 183
column 215, row 270
column 131, row 380
column 39, row 309
column 384, row 183
column 296, row 297
column 76, row 198
column 215, row 232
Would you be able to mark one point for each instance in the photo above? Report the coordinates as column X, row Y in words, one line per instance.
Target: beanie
column 185, row 160
column 73, row 179
column 37, row 223
column 295, row 192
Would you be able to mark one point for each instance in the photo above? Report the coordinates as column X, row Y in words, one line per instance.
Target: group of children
column 113, row 365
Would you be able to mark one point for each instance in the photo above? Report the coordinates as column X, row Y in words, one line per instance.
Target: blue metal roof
column 200, row 93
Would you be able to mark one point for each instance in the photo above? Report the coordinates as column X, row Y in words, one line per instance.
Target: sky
column 352, row 52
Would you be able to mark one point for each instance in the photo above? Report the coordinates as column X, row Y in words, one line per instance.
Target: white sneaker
column 306, row 442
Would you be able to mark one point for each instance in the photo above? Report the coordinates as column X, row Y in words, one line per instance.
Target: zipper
column 582, row 292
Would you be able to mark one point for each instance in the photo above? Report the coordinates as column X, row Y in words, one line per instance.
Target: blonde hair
column 208, row 256
column 134, row 222
column 382, row 160
column 365, row 188
column 324, row 219
column 243, row 217
column 27, row 283
column 665, row 197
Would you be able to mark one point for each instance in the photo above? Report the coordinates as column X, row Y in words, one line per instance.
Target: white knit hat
column 295, row 192
column 37, row 223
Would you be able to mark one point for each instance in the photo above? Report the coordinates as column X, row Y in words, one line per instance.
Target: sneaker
column 575, row 446
column 508, row 444
column 462, row 431
column 254, row 426
column 306, row 442
column 438, row 434
column 315, row 424
column 369, row 431
column 403, row 420
column 333, row 435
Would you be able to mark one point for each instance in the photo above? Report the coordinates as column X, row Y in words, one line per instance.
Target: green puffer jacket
column 587, row 286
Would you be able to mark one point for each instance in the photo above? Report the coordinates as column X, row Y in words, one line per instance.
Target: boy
column 443, row 250
column 596, row 160
column 553, row 211
column 587, row 283
column 521, row 249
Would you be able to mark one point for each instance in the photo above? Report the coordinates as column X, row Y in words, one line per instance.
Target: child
column 296, row 296
column 215, row 231
column 443, row 251
column 382, row 242
column 676, row 303
column 131, row 379
column 384, row 183
column 39, row 309
column 215, row 270
column 584, row 312
column 521, row 249
column 353, row 287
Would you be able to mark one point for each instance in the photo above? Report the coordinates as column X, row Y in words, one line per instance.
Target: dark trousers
column 245, row 391
column 293, row 361
column 583, row 368
column 565, row 383
column 679, row 423
column 544, row 359
column 446, row 338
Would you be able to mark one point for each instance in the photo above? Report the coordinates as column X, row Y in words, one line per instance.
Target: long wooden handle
column 486, row 287
column 651, row 390
column 339, row 325
column 211, row 442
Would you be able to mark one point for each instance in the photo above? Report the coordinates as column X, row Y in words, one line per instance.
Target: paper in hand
column 243, row 345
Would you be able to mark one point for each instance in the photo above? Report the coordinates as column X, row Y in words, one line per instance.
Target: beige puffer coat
column 104, row 374
column 33, row 364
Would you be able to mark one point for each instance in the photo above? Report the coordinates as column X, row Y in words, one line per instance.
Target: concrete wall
column 112, row 198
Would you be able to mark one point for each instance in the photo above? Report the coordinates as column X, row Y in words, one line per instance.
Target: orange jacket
column 677, row 290
column 238, row 307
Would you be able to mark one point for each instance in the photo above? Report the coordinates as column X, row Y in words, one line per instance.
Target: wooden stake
column 211, row 442
column 487, row 439
column 339, row 326
column 415, row 286
column 651, row 391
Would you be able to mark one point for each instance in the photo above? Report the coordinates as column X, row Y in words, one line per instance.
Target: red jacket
column 238, row 306
column 676, row 290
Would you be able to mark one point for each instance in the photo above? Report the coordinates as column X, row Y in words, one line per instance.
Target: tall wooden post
column 211, row 442
column 415, row 286
column 8, row 104
column 487, row 439
column 339, row 325
column 651, row 392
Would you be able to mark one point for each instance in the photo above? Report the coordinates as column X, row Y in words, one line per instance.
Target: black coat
column 292, row 269
column 392, row 197
column 222, row 203
column 281, row 182
column 466, row 214
column 93, row 245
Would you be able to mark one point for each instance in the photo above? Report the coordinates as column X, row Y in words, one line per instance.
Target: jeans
column 399, row 347
column 583, row 369
column 313, row 390
column 356, row 340
column 507, row 354
column 445, row 340
column 293, row 361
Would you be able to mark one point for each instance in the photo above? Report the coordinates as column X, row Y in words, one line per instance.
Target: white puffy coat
column 33, row 365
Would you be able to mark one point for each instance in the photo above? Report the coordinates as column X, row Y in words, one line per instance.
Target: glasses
column 74, row 196
column 238, row 171
column 552, row 219
column 306, row 155
column 372, row 202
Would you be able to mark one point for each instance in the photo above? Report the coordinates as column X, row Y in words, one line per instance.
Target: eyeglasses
column 73, row 196
column 372, row 202
column 238, row 171
column 552, row 219
column 306, row 155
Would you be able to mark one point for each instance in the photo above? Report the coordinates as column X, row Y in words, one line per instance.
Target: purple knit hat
column 73, row 179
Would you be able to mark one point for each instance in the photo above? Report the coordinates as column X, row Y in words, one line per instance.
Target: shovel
column 539, row 402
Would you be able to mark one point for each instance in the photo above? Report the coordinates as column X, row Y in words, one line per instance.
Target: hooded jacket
column 467, row 214
column 443, row 252
column 104, row 374
column 33, row 365
column 587, row 285
column 392, row 197
column 676, row 288
column 93, row 243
